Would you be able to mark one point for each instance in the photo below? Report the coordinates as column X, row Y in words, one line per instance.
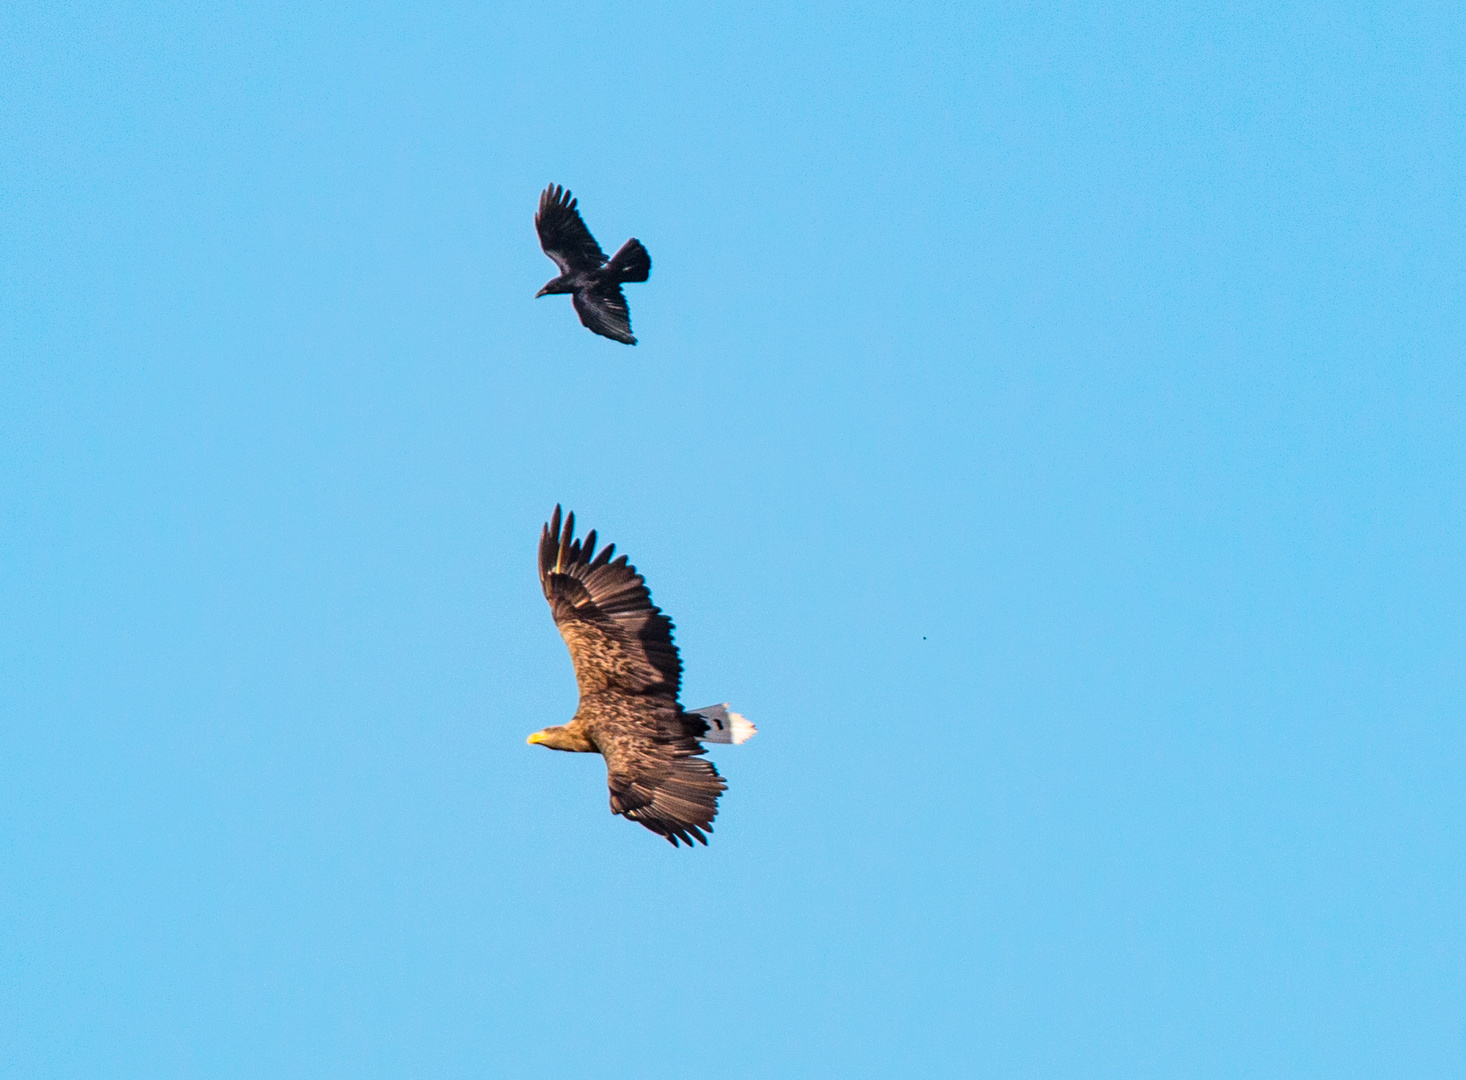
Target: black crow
column 594, row 283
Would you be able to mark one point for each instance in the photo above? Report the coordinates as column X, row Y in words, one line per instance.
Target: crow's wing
column 602, row 308
column 618, row 639
column 563, row 235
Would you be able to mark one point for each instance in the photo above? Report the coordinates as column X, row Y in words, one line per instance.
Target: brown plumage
column 629, row 674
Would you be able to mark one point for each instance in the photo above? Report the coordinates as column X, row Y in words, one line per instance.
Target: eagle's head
column 563, row 737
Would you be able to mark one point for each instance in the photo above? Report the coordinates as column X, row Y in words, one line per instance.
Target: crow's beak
column 540, row 293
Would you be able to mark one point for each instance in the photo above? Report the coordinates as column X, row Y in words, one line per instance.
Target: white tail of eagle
column 725, row 726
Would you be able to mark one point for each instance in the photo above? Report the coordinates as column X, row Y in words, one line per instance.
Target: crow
column 594, row 283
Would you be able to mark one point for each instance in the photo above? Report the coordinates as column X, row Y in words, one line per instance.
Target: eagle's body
column 629, row 674
column 593, row 281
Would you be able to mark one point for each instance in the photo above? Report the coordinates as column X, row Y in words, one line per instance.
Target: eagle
column 594, row 283
column 629, row 674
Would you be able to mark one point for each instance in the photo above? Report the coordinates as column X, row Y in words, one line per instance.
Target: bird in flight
column 629, row 675
column 594, row 284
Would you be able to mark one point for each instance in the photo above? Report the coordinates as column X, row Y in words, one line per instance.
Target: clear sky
column 1047, row 426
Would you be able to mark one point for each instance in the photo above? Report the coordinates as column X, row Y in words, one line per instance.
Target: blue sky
column 1047, row 426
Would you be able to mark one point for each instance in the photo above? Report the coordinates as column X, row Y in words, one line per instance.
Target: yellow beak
column 538, row 736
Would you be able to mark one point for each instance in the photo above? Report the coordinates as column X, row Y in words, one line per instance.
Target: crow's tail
column 631, row 263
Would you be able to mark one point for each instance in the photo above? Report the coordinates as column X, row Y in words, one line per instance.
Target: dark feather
column 563, row 235
column 602, row 308
column 618, row 638
column 663, row 783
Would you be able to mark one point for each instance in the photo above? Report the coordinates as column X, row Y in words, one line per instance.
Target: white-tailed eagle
column 629, row 674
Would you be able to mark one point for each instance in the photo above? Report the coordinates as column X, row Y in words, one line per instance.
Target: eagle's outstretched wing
column 675, row 797
column 618, row 639
column 656, row 771
column 602, row 308
column 563, row 235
